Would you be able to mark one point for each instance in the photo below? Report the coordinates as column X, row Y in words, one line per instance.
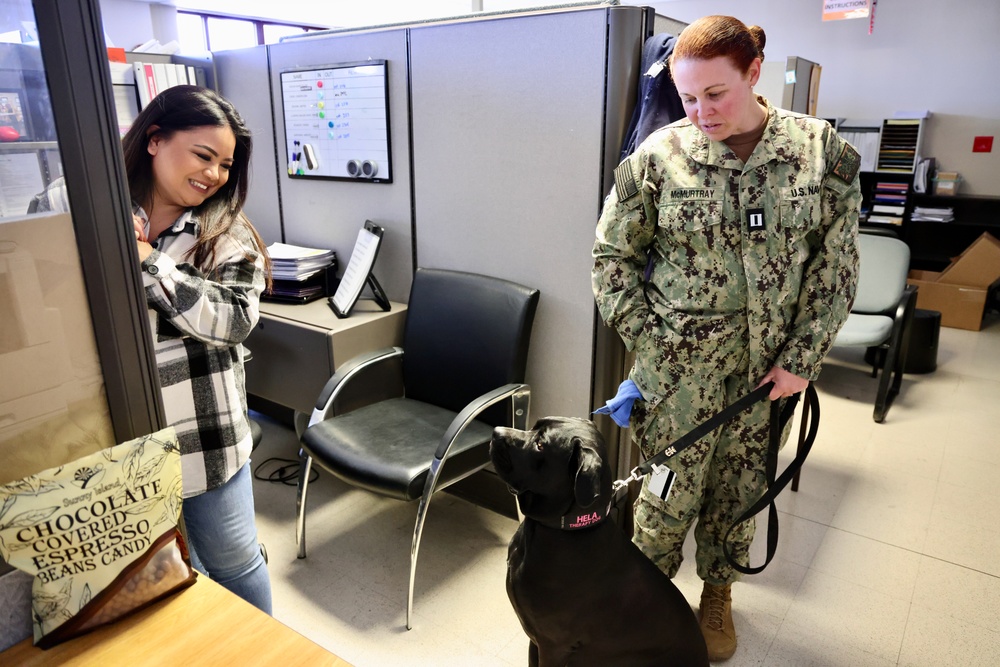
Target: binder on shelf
column 358, row 273
column 155, row 73
column 922, row 176
column 144, row 83
column 123, row 86
column 170, row 73
column 160, row 77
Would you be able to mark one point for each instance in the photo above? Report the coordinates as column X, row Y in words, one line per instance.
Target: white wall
column 127, row 23
column 922, row 54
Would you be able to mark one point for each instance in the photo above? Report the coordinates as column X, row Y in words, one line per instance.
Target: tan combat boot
column 716, row 620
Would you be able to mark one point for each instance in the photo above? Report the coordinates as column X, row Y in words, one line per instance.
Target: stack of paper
column 298, row 273
column 292, row 262
column 932, row 214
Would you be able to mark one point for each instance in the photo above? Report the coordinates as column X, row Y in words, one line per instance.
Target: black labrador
column 585, row 595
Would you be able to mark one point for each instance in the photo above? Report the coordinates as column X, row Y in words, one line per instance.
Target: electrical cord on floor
column 286, row 472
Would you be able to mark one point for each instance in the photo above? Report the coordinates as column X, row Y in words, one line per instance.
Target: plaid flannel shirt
column 199, row 321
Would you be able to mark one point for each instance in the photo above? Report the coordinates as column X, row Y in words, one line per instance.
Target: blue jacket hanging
column 658, row 104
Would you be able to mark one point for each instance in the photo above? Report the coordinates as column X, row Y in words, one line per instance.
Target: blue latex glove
column 620, row 407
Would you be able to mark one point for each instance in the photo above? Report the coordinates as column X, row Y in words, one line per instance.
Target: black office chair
column 465, row 347
column 881, row 315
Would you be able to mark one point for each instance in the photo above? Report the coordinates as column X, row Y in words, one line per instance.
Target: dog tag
column 661, row 481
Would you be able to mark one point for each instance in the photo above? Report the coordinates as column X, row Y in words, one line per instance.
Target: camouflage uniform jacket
column 719, row 287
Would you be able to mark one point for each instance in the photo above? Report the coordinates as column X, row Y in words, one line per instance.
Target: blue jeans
column 222, row 539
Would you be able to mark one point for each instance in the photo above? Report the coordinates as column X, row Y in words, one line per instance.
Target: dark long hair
column 181, row 108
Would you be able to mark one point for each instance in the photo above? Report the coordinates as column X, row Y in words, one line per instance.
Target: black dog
column 585, row 595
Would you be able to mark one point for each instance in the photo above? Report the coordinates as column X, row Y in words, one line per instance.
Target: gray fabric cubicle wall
column 328, row 213
column 515, row 123
column 243, row 80
column 508, row 153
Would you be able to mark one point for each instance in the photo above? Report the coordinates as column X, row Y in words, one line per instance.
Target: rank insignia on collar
column 625, row 181
column 848, row 164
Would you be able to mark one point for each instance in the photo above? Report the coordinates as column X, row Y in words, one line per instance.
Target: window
column 191, row 33
column 273, row 32
column 225, row 34
column 198, row 33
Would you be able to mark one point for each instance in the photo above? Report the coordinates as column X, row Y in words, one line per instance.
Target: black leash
column 780, row 414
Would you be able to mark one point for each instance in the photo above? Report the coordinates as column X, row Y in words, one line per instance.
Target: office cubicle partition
column 328, row 213
column 504, row 130
column 509, row 148
column 243, row 78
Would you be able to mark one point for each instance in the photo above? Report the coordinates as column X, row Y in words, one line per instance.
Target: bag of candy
column 99, row 535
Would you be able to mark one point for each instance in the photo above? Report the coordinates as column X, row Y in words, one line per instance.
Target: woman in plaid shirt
column 204, row 267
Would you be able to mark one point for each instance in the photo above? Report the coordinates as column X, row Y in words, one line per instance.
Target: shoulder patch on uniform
column 625, row 181
column 848, row 164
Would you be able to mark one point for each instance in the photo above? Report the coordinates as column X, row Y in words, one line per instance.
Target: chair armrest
column 903, row 316
column 909, row 294
column 518, row 391
column 345, row 373
column 521, row 393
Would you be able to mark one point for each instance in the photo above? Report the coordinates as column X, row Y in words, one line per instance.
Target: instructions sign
column 836, row 10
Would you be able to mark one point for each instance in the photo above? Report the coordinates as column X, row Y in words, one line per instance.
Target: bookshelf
column 132, row 90
column 889, row 200
column 890, row 151
column 162, row 71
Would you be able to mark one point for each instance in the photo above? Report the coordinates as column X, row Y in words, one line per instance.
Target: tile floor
column 888, row 553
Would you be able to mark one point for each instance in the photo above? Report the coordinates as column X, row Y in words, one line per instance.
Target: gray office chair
column 465, row 348
column 882, row 312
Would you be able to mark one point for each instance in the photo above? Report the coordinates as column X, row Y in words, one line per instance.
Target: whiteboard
column 337, row 122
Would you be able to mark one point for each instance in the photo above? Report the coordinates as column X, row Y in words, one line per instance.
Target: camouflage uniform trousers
column 718, row 477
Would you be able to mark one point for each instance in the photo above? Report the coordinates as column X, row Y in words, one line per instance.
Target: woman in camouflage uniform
column 747, row 218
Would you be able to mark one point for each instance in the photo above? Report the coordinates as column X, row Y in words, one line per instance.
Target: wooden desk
column 297, row 347
column 202, row 625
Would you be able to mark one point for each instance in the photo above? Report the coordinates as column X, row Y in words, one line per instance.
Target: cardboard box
column 946, row 188
column 947, row 182
column 978, row 265
column 959, row 292
column 961, row 306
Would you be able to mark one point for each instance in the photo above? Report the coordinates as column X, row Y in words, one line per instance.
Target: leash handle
column 776, row 486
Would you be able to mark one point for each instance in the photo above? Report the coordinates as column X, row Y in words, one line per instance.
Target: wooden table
column 202, row 625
